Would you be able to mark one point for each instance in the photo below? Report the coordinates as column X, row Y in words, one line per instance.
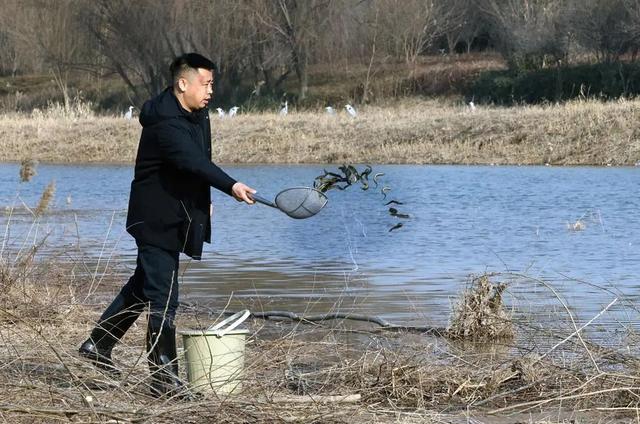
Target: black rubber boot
column 163, row 363
column 113, row 324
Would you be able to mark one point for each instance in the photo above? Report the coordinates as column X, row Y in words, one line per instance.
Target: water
column 464, row 220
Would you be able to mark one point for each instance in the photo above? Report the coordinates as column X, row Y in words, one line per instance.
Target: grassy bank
column 329, row 372
column 408, row 131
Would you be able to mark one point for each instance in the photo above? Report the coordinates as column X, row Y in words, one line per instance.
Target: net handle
column 264, row 201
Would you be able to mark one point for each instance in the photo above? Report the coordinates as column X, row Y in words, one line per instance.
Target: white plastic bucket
column 215, row 357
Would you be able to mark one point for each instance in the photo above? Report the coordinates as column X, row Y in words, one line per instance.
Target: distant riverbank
column 415, row 132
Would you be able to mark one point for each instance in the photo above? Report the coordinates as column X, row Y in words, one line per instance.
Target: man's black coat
column 170, row 195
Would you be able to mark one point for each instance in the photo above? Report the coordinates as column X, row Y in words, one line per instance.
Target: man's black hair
column 190, row 61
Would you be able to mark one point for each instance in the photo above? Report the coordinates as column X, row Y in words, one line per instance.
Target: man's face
column 198, row 88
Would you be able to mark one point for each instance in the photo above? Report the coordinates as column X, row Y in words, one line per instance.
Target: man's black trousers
column 153, row 283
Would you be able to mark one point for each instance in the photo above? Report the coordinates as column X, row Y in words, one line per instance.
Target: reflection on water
column 463, row 220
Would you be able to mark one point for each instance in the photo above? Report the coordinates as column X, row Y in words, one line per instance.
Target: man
column 169, row 213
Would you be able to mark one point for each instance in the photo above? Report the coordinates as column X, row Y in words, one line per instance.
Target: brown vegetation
column 296, row 373
column 266, row 50
column 420, row 132
column 486, row 365
column 480, row 314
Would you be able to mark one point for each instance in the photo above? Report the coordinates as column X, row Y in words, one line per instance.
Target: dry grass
column 290, row 369
column 447, row 75
column 407, row 131
column 480, row 314
column 45, row 198
column 27, row 170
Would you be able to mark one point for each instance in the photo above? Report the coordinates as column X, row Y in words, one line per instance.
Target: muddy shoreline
column 337, row 371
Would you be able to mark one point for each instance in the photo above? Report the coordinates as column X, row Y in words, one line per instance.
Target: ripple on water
column 465, row 219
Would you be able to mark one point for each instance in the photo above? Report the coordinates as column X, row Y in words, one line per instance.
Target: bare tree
column 347, row 39
column 260, row 45
column 269, row 58
column 370, row 70
column 632, row 26
column 604, row 26
column 530, row 33
column 56, row 37
column 50, row 29
column 19, row 52
column 138, row 39
column 412, row 26
column 465, row 25
column 297, row 23
column 10, row 37
column 219, row 29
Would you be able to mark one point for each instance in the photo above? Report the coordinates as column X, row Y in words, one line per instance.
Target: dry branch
column 317, row 399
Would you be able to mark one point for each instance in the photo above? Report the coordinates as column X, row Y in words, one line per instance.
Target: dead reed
column 45, row 198
column 480, row 314
column 27, row 170
column 301, row 373
column 398, row 131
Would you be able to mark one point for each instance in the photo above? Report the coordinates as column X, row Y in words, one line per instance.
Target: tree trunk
column 300, row 66
column 452, row 41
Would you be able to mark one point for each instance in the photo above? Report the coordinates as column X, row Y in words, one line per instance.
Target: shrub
column 604, row 81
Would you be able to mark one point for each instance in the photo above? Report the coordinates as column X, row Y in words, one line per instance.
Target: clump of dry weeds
column 27, row 170
column 480, row 314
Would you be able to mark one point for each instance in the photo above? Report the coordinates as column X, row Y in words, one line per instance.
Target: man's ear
column 182, row 84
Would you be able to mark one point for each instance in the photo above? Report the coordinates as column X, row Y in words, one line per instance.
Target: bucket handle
column 240, row 317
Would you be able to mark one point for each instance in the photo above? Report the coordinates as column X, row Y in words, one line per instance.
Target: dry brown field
column 404, row 131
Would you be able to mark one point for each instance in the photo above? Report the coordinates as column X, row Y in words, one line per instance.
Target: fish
column 329, row 180
column 350, row 175
column 333, row 174
column 376, row 176
column 395, row 227
column 394, row 212
column 364, row 178
column 365, row 174
column 324, row 184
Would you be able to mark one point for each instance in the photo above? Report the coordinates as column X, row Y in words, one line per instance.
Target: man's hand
column 241, row 192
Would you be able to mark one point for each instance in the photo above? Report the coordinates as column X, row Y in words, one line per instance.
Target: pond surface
column 463, row 220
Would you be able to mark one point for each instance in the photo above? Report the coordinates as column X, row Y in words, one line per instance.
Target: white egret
column 472, row 106
column 129, row 114
column 221, row 113
column 330, row 110
column 233, row 111
column 351, row 111
column 285, row 109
